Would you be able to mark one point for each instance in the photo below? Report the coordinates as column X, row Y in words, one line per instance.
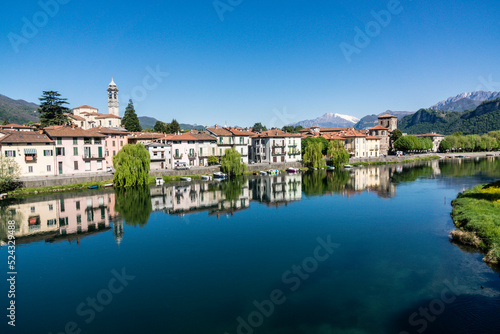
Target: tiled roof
column 275, row 134
column 238, row 132
column 220, row 131
column 92, row 114
column 387, row 116
column 378, row 127
column 109, row 131
column 351, row 134
column 85, row 107
column 203, row 136
column 181, row 136
column 15, row 126
column 145, row 135
column 107, row 116
column 25, row 137
column 75, row 117
column 67, row 131
column 430, row 135
column 373, row 138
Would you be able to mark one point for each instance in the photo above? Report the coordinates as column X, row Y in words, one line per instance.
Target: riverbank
column 407, row 160
column 476, row 214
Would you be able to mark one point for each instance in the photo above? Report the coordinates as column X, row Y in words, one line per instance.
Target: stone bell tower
column 113, row 99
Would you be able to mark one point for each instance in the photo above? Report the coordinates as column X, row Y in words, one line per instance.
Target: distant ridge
column 147, row 122
column 17, row 111
column 465, row 101
column 329, row 120
column 372, row 120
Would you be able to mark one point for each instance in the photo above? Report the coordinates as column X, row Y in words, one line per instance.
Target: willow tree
column 231, row 163
column 337, row 154
column 134, row 205
column 131, row 166
column 313, row 156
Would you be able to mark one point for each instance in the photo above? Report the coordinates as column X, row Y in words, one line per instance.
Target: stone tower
column 388, row 121
column 113, row 99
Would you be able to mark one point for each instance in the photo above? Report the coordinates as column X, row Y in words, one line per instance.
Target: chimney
column 216, row 126
column 72, row 125
column 40, row 132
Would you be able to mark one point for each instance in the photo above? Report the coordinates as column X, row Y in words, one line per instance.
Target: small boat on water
column 93, row 187
column 206, row 178
column 220, row 176
column 262, row 173
column 108, row 185
column 358, row 165
column 292, row 170
column 185, row 178
column 460, row 156
column 490, row 155
column 3, row 196
column 273, row 172
column 348, row 166
column 330, row 168
column 159, row 181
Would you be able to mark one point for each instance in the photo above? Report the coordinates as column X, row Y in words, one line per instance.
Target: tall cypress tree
column 52, row 109
column 130, row 121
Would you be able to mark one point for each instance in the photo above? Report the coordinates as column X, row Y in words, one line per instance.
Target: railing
column 92, row 157
column 278, row 153
column 279, row 145
column 192, row 155
column 294, row 153
column 178, row 156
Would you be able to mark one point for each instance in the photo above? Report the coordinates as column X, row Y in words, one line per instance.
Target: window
column 77, row 205
column 242, row 140
column 75, row 166
column 49, row 168
column 87, row 140
column 59, row 141
column 10, row 154
column 51, row 207
column 75, row 141
column 60, row 151
column 32, row 209
column 201, row 151
column 229, row 140
column 30, row 169
column 79, row 219
column 213, row 150
column 220, row 140
column 121, row 142
column 114, row 153
column 109, row 123
column 114, row 143
column 75, row 151
column 87, row 165
column 63, row 221
column 242, row 151
column 51, row 222
column 97, row 141
column 62, row 205
column 48, row 153
column 99, row 164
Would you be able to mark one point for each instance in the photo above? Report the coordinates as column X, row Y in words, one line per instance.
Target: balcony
column 192, row 155
column 30, row 158
column 279, row 145
column 157, row 157
column 92, row 157
column 294, row 153
column 178, row 156
column 274, row 152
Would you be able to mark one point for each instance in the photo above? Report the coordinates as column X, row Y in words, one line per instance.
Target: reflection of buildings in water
column 376, row 179
column 52, row 218
column 277, row 189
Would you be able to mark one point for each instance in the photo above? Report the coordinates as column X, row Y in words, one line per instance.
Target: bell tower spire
column 113, row 98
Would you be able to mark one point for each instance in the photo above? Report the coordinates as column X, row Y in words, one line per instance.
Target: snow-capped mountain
column 330, row 120
column 465, row 101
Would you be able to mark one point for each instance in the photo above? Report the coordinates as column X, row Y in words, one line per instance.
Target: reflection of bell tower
column 118, row 230
column 113, row 99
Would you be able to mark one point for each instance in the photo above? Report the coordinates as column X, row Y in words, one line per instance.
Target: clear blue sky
column 273, row 62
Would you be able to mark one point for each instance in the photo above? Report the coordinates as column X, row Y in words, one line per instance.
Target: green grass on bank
column 174, row 178
column 68, row 187
column 380, row 163
column 477, row 211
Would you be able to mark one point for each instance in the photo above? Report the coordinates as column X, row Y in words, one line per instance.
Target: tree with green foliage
column 292, row 129
column 5, row 121
column 173, row 127
column 134, row 205
column 444, row 146
column 404, row 144
column 258, row 127
column 9, row 172
column 396, row 134
column 231, row 163
column 131, row 166
column 212, row 160
column 160, row 127
column 52, row 109
column 311, row 140
column 337, row 154
column 130, row 121
column 313, row 157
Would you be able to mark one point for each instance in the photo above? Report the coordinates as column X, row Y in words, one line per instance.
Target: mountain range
column 484, row 118
column 372, row 120
column 465, row 101
column 17, row 111
column 147, row 122
column 329, row 120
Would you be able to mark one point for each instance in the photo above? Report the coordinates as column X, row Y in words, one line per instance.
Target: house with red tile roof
column 275, row 146
column 231, row 138
column 77, row 151
column 189, row 149
column 87, row 117
column 16, row 127
column 33, row 151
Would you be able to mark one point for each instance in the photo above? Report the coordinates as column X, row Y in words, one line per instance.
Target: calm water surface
column 365, row 251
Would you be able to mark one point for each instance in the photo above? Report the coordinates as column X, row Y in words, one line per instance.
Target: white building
column 275, row 146
column 231, row 138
